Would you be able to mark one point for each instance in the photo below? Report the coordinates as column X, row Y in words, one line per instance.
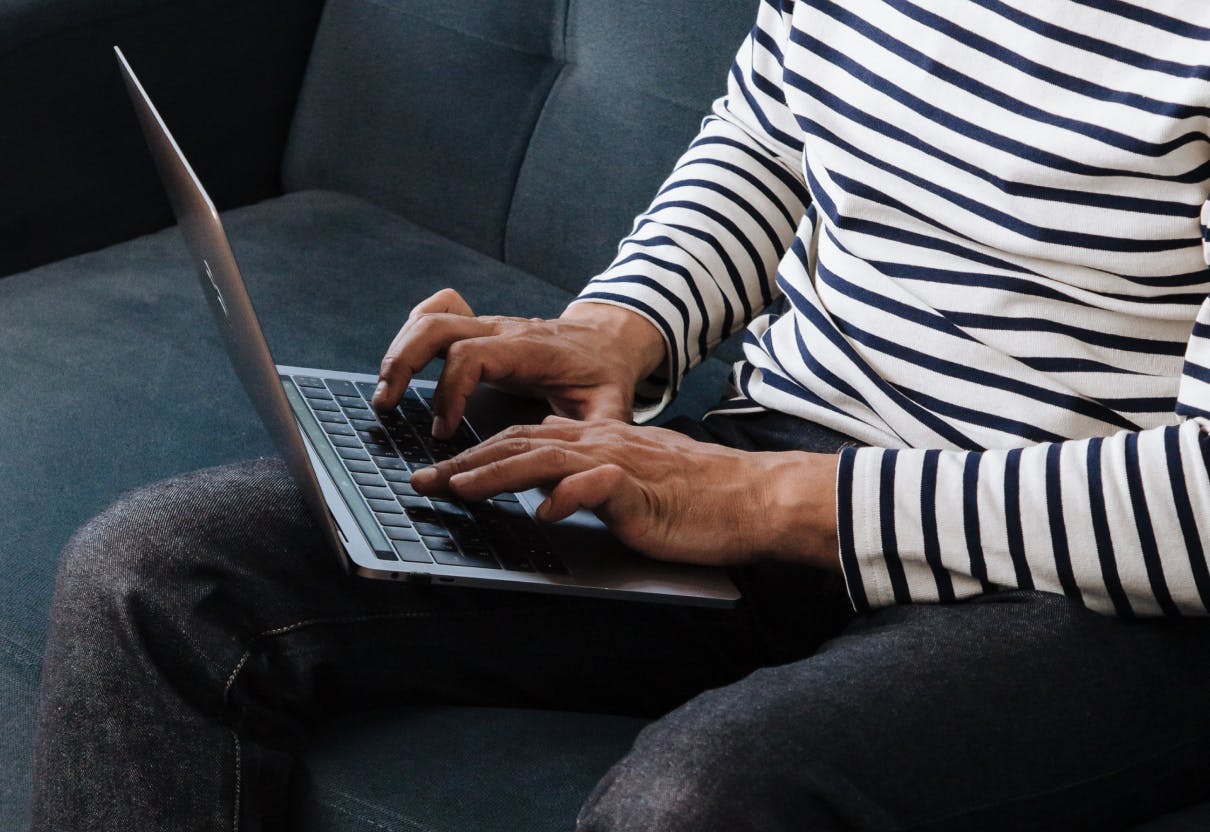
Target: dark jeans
column 200, row 631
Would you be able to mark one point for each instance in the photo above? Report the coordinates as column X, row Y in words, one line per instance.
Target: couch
column 365, row 153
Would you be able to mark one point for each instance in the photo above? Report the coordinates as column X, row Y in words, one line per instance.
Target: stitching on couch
column 382, row 4
column 337, row 797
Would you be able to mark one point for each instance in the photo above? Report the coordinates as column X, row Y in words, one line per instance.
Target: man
column 969, row 240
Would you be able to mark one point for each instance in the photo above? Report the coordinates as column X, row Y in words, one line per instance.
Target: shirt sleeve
column 700, row 262
column 1119, row 523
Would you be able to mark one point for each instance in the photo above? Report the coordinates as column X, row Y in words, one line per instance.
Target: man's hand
column 659, row 491
column 585, row 364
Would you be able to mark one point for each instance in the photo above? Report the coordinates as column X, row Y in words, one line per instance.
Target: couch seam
column 344, row 797
column 485, row 39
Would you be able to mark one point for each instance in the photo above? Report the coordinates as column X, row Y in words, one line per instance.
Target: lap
column 1016, row 710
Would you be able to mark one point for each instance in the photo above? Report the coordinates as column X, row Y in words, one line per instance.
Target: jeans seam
column 239, row 785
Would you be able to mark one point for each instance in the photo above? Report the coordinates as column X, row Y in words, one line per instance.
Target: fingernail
column 424, row 475
column 380, row 390
column 438, row 427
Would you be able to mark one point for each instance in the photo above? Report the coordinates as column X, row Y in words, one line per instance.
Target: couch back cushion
column 531, row 130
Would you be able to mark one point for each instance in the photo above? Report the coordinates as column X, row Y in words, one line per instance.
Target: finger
column 483, row 359
column 545, row 465
column 419, row 342
column 515, row 441
column 447, row 301
column 598, row 489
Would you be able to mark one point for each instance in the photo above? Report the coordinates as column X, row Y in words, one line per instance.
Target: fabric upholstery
column 482, row 769
column 423, row 109
column 76, row 171
column 115, row 377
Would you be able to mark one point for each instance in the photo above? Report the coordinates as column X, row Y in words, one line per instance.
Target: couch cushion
column 639, row 78
column 115, row 377
column 454, row 769
column 425, row 108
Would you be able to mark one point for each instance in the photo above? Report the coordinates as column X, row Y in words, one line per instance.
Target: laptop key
column 385, row 506
column 431, row 529
column 338, row 430
column 401, row 533
column 373, row 492
column 361, row 424
column 412, row 502
column 314, row 395
column 447, row 558
column 505, row 497
column 345, row 441
column 378, row 449
column 367, row 389
column 404, row 487
column 326, row 416
column 512, row 559
column 394, row 520
column 309, row 381
column 412, row 551
column 343, row 388
column 369, row 479
column 388, row 463
column 361, row 412
column 440, row 544
column 353, row 454
column 393, row 475
column 357, row 466
column 326, row 407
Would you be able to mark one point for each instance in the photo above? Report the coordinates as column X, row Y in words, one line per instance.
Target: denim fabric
column 200, row 632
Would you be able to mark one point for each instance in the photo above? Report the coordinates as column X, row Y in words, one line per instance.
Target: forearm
column 1117, row 523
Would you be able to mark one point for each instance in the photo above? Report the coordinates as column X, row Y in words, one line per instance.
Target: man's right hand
column 585, row 364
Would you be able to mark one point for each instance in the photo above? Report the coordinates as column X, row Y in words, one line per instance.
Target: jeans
column 200, row 630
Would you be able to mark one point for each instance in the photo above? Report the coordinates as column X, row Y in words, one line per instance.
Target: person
column 961, row 472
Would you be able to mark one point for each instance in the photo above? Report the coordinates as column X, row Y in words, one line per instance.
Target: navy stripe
column 970, row 516
column 1004, row 424
column 969, row 129
column 1058, row 530
column 1100, row 529
column 775, row 133
column 1068, row 365
column 1019, row 62
column 1149, row 17
column 1184, row 513
column 844, row 524
column 984, row 378
column 1067, row 196
column 928, row 524
column 990, row 94
column 747, row 208
column 1012, row 518
column 1020, row 323
column 1142, row 522
column 752, row 180
column 733, row 272
column 1196, row 371
column 792, row 183
column 1004, row 219
column 1096, row 46
column 886, row 522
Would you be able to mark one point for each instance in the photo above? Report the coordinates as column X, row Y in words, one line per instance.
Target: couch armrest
column 76, row 174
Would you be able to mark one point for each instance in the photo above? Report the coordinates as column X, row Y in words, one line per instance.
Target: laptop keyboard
column 380, row 452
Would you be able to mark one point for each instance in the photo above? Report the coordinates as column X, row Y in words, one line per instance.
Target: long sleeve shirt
column 971, row 236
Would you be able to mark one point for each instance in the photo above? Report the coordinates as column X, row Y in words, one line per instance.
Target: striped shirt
column 969, row 234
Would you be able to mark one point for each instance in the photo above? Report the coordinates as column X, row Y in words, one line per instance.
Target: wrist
column 801, row 493
column 624, row 332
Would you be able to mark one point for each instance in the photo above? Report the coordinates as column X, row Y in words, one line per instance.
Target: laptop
column 354, row 465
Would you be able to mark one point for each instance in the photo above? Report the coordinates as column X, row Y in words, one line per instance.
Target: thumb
column 606, row 490
column 608, row 403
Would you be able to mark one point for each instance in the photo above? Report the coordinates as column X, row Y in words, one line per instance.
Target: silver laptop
column 354, row 465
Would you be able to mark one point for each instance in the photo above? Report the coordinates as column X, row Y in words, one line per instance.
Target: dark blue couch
column 366, row 153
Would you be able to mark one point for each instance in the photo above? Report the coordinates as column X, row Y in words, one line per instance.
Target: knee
column 713, row 764
column 163, row 572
